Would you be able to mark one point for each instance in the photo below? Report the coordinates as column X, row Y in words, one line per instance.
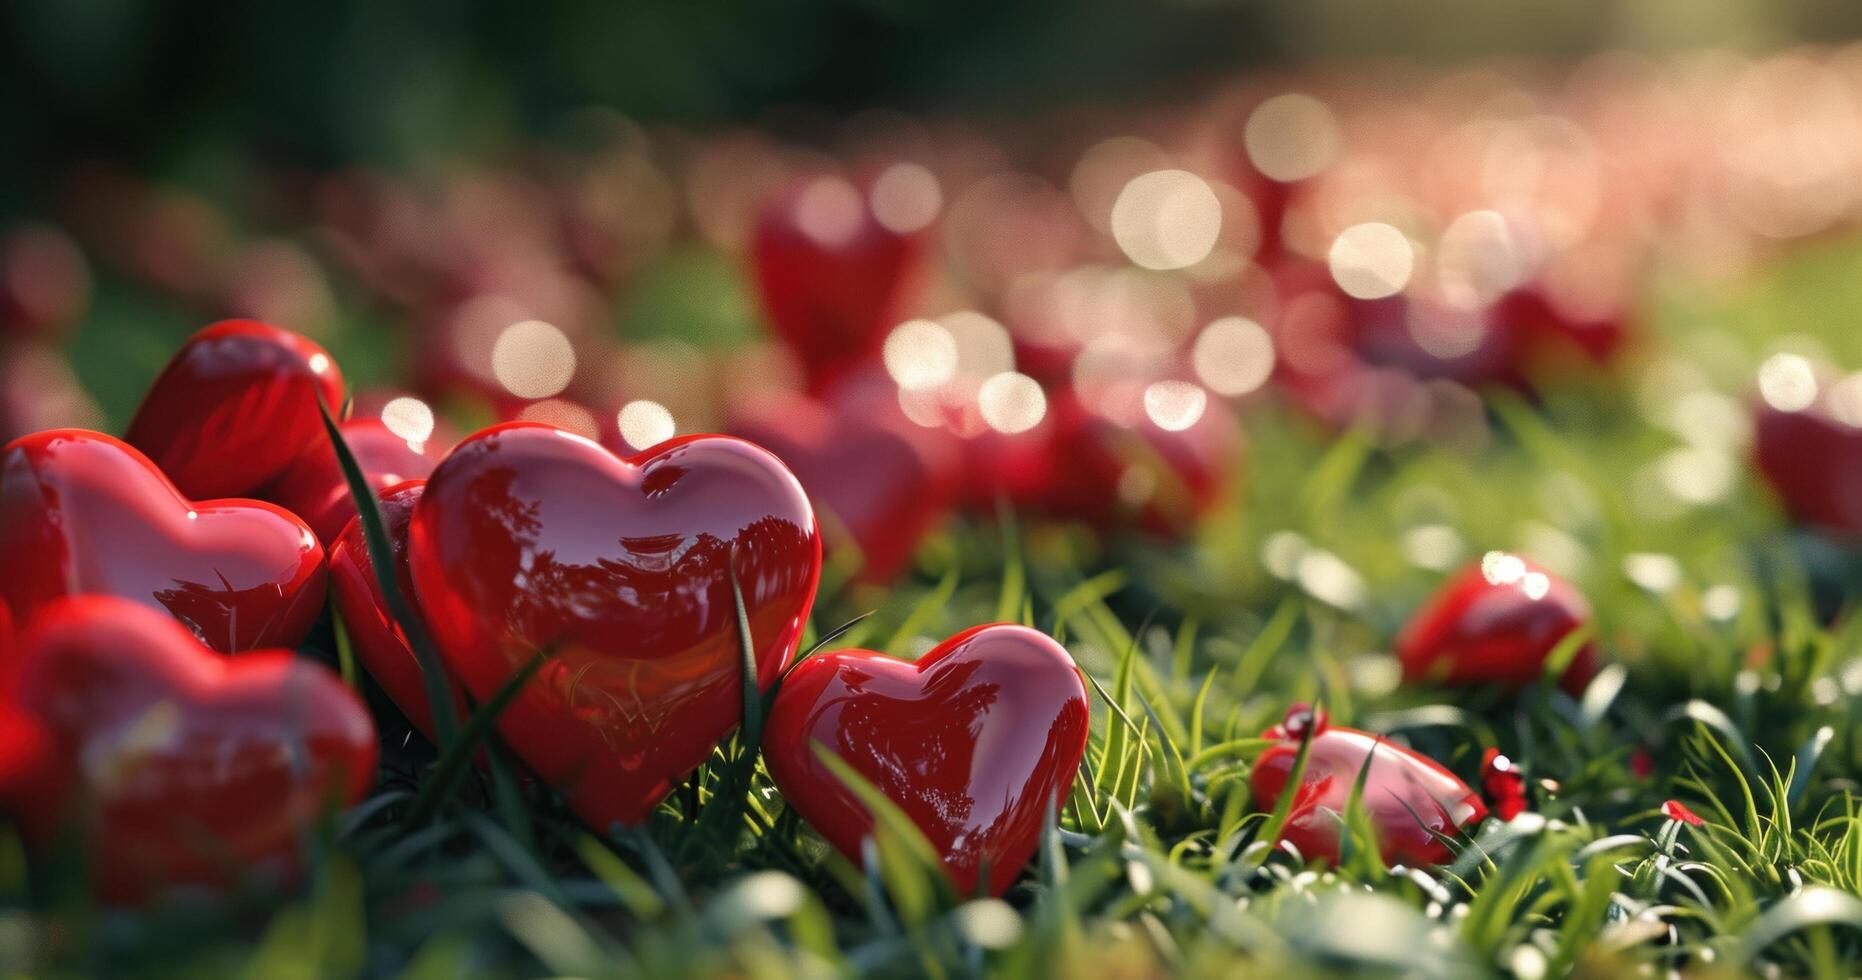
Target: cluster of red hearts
column 153, row 704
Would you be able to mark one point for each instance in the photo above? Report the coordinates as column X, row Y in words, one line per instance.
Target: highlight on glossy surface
column 974, row 741
column 1409, row 798
column 1496, row 622
column 81, row 512
column 529, row 538
column 183, row 768
column 235, row 406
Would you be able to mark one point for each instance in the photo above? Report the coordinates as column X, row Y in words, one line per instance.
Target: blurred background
column 1065, row 257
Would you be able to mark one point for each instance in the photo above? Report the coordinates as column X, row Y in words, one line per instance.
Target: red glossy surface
column 1161, row 480
column 833, row 280
column 527, row 537
column 1408, row 796
column 235, row 407
column 1495, row 622
column 973, row 741
column 373, row 633
column 189, row 768
column 875, row 477
column 313, row 487
column 1813, row 462
column 81, row 512
column 1503, row 785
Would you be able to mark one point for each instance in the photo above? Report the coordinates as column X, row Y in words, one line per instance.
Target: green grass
column 1709, row 608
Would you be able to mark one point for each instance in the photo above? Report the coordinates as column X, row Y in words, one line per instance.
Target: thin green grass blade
column 458, row 756
column 381, row 559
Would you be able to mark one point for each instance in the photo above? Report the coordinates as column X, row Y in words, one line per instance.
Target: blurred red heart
column 379, row 643
column 186, row 768
column 235, row 407
column 973, row 741
column 883, row 481
column 834, row 278
column 1495, row 622
column 529, row 538
column 1812, row 456
column 81, row 512
column 1408, row 796
column 1162, row 480
column 313, row 487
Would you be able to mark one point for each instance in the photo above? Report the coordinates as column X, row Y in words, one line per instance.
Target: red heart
column 1408, row 796
column 1495, row 622
column 1160, row 479
column 313, row 487
column 528, row 537
column 81, row 512
column 884, row 480
column 378, row 640
column 834, row 278
column 235, row 407
column 1811, row 457
column 973, row 741
column 188, row 768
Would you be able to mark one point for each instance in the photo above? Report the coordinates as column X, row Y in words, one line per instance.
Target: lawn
column 1728, row 688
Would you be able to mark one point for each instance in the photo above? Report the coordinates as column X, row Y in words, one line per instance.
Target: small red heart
column 235, row 407
column 378, row 640
column 189, row 769
column 1408, row 796
column 1160, row 479
column 974, row 742
column 313, row 487
column 81, row 512
column 530, row 538
column 883, row 480
column 1495, row 622
column 833, row 277
column 1811, row 457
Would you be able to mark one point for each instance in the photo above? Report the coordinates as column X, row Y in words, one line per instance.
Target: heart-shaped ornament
column 185, row 768
column 834, row 272
column 878, row 480
column 313, row 487
column 528, row 538
column 1496, row 622
column 235, row 407
column 1409, row 798
column 81, row 512
column 378, row 641
column 974, row 742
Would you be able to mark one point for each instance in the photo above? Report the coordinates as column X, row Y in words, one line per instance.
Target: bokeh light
column 1371, row 260
column 1011, row 403
column 645, row 424
column 533, row 359
column 1233, row 356
column 1166, row 219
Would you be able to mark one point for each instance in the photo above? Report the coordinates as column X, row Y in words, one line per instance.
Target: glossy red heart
column 313, row 487
column 377, row 639
column 973, row 741
column 1408, row 796
column 1495, row 622
column 185, row 768
column 528, row 537
column 876, row 478
column 834, row 278
column 235, row 407
column 81, row 512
